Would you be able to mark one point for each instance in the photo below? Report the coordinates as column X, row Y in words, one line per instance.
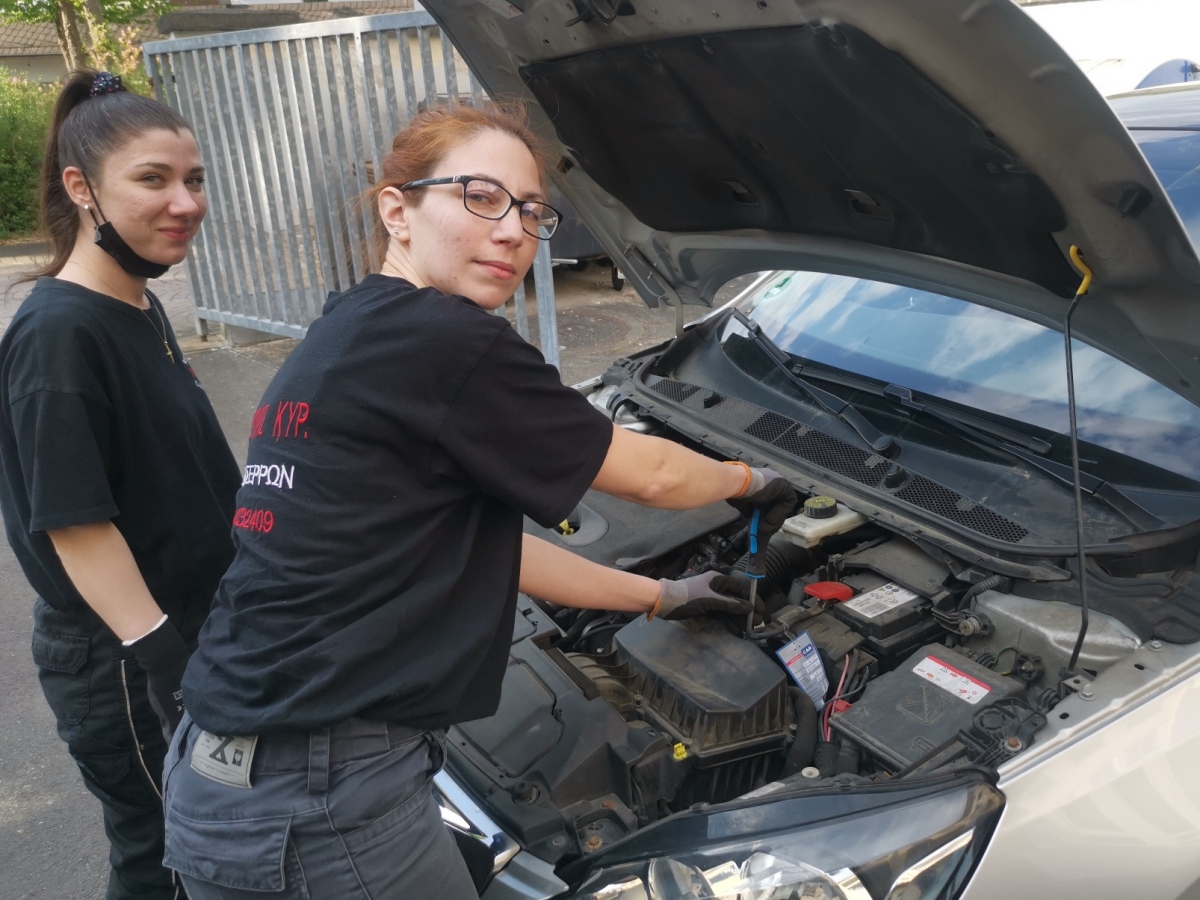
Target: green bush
column 25, row 109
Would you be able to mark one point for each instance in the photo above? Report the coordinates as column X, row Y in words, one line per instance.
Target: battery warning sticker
column 882, row 599
column 945, row 676
column 800, row 657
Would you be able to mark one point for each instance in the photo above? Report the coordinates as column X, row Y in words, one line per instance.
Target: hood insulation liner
column 808, row 130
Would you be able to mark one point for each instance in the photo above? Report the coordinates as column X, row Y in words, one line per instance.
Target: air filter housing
column 719, row 695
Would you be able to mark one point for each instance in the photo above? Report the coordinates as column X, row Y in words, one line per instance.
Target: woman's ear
column 76, row 186
column 393, row 211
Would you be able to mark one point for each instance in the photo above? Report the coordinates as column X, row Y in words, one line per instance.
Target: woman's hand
column 702, row 595
column 770, row 493
column 163, row 656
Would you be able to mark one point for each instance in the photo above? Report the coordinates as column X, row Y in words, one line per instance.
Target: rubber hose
column 804, row 746
column 989, row 583
column 847, row 760
column 825, row 758
column 572, row 634
column 782, row 561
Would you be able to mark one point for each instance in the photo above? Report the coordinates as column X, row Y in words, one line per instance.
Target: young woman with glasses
column 379, row 541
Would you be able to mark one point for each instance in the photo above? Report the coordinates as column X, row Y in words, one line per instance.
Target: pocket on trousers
column 61, row 659
column 104, row 768
column 437, row 750
column 247, row 854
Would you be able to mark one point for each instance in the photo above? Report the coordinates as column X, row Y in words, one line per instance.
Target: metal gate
column 292, row 124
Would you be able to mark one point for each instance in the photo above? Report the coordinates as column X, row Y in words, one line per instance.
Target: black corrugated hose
column 805, row 745
column 782, row 561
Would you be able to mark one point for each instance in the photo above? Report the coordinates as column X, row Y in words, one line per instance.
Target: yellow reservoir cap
column 820, row 507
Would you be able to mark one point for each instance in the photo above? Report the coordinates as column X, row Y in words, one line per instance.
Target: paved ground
column 51, row 839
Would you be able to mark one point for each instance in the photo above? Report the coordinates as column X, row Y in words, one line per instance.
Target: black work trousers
column 103, row 710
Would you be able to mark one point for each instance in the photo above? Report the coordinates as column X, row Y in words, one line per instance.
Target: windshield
column 982, row 358
column 1175, row 158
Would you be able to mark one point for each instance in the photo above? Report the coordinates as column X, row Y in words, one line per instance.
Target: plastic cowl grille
column 954, row 506
column 835, row 455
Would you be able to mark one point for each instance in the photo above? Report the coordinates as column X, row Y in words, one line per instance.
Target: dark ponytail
column 84, row 131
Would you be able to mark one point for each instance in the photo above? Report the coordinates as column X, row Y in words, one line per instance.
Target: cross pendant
column 170, row 353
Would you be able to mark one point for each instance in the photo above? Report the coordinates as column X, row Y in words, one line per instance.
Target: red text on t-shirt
column 254, row 519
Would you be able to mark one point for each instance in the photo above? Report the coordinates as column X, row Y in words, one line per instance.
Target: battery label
column 960, row 684
column 882, row 599
column 800, row 657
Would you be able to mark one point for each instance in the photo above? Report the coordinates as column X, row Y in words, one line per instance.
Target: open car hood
column 949, row 145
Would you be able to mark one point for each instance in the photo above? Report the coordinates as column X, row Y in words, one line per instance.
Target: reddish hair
column 436, row 131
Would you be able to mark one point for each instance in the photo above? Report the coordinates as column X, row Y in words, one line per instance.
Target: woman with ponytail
column 116, row 484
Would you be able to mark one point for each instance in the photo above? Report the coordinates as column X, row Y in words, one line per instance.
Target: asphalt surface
column 52, row 842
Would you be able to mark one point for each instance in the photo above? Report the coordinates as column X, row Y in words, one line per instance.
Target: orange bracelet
column 746, row 483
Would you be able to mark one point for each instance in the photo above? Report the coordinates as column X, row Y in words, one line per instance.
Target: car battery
column 891, row 619
column 920, row 705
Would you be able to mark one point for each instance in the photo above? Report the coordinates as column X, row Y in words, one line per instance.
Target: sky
column 1144, row 33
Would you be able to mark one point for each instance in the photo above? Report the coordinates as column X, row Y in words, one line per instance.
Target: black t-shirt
column 97, row 423
column 379, row 523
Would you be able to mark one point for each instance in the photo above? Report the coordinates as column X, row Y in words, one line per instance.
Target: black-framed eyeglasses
column 489, row 200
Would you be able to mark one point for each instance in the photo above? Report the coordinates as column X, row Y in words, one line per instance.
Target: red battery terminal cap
column 829, row 590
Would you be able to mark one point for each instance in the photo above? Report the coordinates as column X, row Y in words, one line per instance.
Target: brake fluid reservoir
column 821, row 517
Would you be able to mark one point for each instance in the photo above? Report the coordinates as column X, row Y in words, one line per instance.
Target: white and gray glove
column 701, row 595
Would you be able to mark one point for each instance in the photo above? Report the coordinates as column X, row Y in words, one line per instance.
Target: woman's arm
column 654, row 472
column 101, row 566
column 554, row 574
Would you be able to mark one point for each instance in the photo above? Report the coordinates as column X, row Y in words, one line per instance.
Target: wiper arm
column 1102, row 490
column 1028, row 441
column 882, row 444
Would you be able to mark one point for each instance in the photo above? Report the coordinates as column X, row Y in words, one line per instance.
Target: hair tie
column 106, row 83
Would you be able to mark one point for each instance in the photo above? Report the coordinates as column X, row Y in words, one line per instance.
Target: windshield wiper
column 1102, row 490
column 882, row 444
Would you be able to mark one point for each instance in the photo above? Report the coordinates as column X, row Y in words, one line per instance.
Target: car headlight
column 893, row 843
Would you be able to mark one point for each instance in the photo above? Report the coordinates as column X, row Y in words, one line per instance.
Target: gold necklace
column 113, row 292
column 163, row 333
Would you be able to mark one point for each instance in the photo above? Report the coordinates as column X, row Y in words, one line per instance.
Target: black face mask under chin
column 114, row 245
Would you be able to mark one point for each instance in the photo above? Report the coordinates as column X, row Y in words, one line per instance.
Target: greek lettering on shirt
column 282, row 477
column 289, row 421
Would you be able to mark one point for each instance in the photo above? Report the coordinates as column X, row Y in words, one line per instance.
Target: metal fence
column 292, row 123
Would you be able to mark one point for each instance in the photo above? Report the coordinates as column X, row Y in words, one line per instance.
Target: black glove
column 771, row 493
column 163, row 656
column 700, row 595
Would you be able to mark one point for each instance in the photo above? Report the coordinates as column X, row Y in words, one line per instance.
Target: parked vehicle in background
column 919, row 712
column 574, row 245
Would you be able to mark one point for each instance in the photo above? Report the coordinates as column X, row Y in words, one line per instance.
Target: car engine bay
column 872, row 658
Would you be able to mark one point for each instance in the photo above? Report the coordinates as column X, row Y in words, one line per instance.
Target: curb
column 25, row 248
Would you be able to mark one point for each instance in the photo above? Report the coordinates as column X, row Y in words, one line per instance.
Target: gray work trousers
column 345, row 813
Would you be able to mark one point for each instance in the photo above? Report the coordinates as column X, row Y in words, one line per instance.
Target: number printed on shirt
column 254, row 519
